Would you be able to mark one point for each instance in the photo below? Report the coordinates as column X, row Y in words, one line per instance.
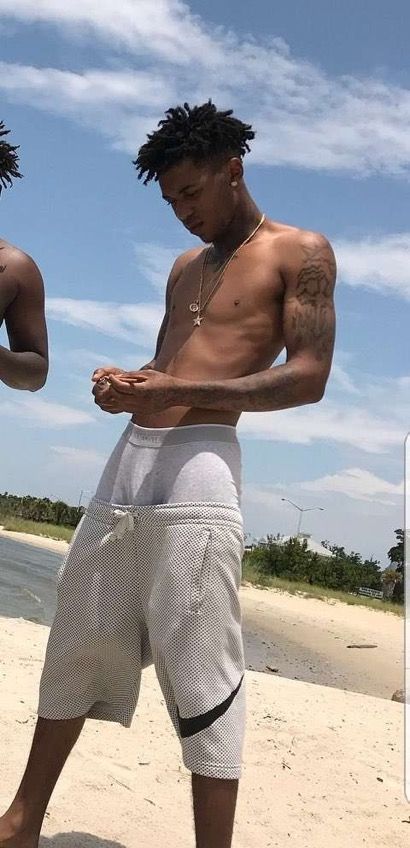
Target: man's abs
column 176, row 416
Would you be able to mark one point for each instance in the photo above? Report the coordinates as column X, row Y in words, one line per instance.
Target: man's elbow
column 37, row 380
column 37, row 384
column 316, row 389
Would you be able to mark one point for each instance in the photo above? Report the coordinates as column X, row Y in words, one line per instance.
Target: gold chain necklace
column 196, row 305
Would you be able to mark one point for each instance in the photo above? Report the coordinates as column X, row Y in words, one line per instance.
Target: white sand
column 31, row 539
column 322, row 766
column 307, row 639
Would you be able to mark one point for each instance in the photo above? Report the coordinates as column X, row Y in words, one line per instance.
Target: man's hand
column 99, row 373
column 101, row 389
column 135, row 391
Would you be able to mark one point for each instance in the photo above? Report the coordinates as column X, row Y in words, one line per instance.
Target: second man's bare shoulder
column 18, row 269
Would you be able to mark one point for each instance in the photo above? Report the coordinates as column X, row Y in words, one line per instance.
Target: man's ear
column 235, row 170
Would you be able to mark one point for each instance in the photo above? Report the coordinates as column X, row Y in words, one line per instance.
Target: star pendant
column 197, row 321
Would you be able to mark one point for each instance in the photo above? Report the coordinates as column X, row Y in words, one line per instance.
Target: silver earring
column 234, row 183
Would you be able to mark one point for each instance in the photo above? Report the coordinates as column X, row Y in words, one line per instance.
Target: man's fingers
column 133, row 376
column 108, row 406
column 99, row 372
column 105, row 372
column 100, row 391
column 121, row 386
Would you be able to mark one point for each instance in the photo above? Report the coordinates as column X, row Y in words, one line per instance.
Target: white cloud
column 133, row 98
column 38, row 412
column 380, row 263
column 83, row 358
column 77, row 457
column 83, row 362
column 137, row 323
column 303, row 117
column 155, row 262
column 64, row 91
column 268, row 497
column 328, row 422
column 357, row 483
column 340, row 379
column 165, row 28
column 359, row 524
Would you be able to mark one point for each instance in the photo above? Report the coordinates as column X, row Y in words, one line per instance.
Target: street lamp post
column 301, row 511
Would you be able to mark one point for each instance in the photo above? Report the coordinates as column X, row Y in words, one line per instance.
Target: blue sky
column 326, row 87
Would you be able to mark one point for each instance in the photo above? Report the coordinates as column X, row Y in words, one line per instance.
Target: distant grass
column 38, row 528
column 258, row 578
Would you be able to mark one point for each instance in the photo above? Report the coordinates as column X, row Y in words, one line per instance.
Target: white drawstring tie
column 125, row 524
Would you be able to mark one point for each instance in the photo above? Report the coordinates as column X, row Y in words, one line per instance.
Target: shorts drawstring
column 125, row 524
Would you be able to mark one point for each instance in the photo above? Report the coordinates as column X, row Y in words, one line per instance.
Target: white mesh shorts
column 154, row 583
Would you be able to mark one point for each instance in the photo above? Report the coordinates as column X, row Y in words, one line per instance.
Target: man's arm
column 25, row 365
column 309, row 329
column 174, row 276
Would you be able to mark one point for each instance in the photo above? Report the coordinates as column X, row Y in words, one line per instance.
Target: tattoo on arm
column 313, row 318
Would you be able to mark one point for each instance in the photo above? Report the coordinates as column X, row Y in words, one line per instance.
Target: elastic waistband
column 172, row 513
column 163, row 436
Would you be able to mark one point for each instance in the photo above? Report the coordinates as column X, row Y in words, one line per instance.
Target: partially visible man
column 25, row 364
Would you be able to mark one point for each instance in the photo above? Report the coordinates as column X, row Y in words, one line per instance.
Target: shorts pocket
column 201, row 568
column 62, row 568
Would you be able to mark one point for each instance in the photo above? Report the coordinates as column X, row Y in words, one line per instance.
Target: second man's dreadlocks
column 199, row 134
column 9, row 160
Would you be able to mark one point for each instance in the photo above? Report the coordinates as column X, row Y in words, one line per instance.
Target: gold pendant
column 194, row 306
column 197, row 321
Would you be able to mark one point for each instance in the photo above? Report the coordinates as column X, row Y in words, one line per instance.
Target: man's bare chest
column 244, row 291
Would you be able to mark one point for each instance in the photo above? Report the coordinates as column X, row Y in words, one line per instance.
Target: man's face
column 200, row 197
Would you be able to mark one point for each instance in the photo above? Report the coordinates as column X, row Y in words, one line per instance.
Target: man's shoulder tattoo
column 316, row 277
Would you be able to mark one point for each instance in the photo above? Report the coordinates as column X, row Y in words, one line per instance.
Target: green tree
column 396, row 557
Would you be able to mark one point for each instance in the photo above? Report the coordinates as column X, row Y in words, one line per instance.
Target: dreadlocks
column 199, row 133
column 8, row 161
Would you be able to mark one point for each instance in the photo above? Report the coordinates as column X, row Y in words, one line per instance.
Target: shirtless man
column 154, row 572
column 25, row 365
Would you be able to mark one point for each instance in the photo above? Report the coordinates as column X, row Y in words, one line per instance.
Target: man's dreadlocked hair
column 8, row 160
column 199, row 133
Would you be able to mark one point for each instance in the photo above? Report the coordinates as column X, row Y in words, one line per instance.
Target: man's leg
column 53, row 740
column 214, row 811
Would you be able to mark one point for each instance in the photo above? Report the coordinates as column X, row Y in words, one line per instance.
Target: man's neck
column 246, row 217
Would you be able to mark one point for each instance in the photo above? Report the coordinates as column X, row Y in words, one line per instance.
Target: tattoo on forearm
column 313, row 320
column 275, row 388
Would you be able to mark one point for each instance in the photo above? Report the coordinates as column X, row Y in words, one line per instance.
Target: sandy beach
column 323, row 759
column 321, row 765
column 309, row 640
column 31, row 539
